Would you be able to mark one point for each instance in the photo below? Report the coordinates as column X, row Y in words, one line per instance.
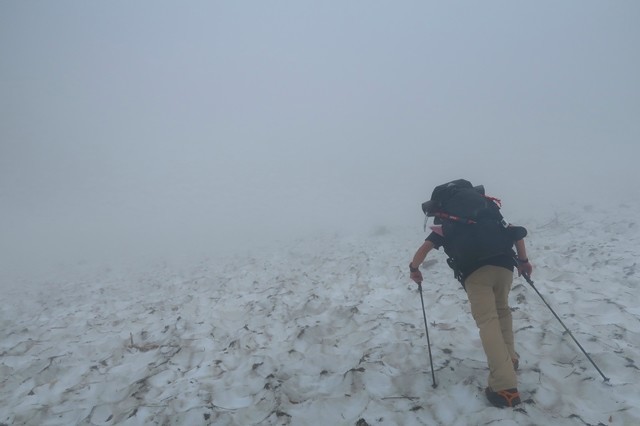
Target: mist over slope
column 132, row 131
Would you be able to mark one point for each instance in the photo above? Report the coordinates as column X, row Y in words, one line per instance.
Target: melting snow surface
column 327, row 331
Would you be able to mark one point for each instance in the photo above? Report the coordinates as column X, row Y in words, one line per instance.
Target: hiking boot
column 503, row 398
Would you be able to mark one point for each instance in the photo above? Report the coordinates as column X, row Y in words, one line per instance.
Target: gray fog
column 153, row 128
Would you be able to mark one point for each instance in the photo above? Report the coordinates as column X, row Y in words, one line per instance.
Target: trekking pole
column 426, row 329
column 528, row 279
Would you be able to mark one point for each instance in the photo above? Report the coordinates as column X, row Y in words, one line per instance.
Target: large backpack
column 472, row 225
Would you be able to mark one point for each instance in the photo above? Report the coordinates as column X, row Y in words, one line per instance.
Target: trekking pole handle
column 527, row 278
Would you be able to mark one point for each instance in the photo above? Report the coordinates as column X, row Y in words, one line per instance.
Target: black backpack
column 472, row 225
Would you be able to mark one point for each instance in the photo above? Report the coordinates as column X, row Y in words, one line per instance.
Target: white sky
column 154, row 126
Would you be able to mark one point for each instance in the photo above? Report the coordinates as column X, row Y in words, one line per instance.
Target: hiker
column 479, row 243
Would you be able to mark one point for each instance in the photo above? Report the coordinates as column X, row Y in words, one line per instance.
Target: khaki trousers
column 488, row 291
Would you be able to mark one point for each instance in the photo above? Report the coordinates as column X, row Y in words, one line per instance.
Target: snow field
column 326, row 330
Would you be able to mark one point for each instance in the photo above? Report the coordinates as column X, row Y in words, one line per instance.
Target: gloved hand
column 524, row 267
column 416, row 275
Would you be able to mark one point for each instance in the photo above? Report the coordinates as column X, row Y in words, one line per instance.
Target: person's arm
column 521, row 250
column 524, row 266
column 418, row 258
